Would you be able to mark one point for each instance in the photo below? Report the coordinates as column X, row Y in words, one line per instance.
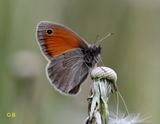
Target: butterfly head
column 92, row 55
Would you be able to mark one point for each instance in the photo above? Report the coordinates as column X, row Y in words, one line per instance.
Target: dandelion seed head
column 104, row 73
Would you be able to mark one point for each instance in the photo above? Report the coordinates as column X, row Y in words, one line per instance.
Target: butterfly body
column 70, row 57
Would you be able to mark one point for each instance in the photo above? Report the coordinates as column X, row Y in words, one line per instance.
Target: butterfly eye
column 49, row 31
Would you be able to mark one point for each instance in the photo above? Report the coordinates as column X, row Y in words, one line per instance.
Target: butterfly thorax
column 92, row 55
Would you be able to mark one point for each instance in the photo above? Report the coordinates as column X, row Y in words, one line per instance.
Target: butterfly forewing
column 55, row 39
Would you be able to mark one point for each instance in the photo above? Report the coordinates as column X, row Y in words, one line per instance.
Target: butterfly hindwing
column 71, row 71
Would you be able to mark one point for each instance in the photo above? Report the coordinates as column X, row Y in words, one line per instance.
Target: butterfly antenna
column 96, row 39
column 105, row 37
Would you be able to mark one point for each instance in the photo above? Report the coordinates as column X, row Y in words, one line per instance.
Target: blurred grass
column 133, row 52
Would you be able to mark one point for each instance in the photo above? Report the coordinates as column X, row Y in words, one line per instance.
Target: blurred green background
column 133, row 52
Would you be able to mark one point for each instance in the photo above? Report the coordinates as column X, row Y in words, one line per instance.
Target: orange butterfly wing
column 54, row 39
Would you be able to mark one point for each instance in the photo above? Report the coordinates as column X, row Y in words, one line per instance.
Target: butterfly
column 70, row 57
